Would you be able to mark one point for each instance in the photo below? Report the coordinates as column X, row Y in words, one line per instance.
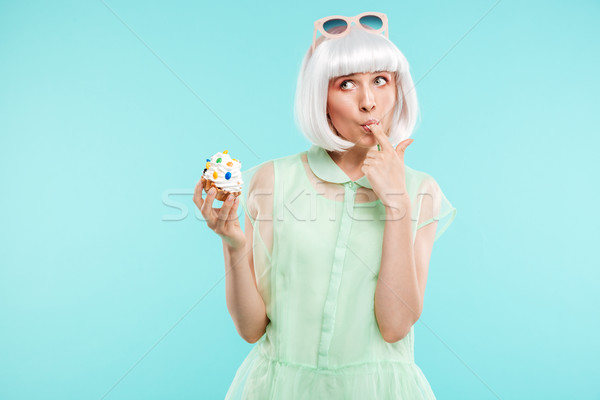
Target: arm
column 403, row 273
column 244, row 302
column 403, row 270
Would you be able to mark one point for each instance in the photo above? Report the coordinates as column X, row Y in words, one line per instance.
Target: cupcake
column 224, row 174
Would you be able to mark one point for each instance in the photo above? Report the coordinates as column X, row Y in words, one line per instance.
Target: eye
column 342, row 84
column 385, row 80
column 382, row 77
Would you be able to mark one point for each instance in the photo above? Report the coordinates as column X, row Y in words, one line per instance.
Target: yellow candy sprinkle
column 207, row 165
column 234, row 159
column 226, row 151
column 229, row 164
column 215, row 175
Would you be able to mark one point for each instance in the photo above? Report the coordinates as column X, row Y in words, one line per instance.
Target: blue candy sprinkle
column 228, row 175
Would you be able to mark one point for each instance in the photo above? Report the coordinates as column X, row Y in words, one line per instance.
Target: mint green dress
column 316, row 261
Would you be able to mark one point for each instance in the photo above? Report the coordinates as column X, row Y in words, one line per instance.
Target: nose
column 367, row 100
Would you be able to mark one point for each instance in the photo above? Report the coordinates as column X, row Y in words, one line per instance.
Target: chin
column 369, row 140
column 366, row 144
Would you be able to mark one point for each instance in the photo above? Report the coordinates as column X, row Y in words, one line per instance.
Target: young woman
column 329, row 276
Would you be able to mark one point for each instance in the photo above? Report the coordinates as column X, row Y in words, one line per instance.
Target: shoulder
column 424, row 193
column 420, row 182
column 257, row 187
column 262, row 174
column 259, row 181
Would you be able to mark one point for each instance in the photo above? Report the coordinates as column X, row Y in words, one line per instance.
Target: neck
column 350, row 161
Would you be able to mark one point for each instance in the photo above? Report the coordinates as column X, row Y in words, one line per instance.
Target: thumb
column 403, row 145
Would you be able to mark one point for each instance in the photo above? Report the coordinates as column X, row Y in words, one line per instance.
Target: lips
column 370, row 122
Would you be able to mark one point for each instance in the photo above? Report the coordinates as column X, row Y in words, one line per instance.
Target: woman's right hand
column 224, row 221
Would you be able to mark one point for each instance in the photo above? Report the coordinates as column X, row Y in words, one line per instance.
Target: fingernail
column 212, row 191
column 229, row 198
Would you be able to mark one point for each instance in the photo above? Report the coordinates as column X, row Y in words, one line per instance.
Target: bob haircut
column 358, row 51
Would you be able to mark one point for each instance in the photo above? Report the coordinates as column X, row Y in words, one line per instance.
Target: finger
column 371, row 154
column 223, row 214
column 233, row 212
column 198, row 194
column 207, row 207
column 400, row 149
column 381, row 137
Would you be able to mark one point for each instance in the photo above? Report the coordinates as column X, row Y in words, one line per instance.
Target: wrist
column 233, row 249
column 396, row 200
column 235, row 257
column 398, row 210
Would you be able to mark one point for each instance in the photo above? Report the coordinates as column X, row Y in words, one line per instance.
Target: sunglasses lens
column 371, row 21
column 335, row 26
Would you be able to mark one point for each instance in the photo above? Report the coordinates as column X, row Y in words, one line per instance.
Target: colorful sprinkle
column 226, row 151
column 230, row 164
column 215, row 175
column 207, row 165
column 219, row 159
column 208, row 159
column 234, row 159
column 228, row 175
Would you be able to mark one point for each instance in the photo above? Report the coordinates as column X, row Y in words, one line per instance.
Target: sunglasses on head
column 337, row 26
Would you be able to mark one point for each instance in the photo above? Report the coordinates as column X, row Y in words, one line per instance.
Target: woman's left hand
column 385, row 169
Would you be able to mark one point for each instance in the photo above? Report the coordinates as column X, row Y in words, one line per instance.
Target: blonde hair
column 359, row 51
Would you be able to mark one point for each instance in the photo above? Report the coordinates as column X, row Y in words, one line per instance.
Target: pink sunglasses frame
column 349, row 20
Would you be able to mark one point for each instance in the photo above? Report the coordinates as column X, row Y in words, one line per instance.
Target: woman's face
column 354, row 99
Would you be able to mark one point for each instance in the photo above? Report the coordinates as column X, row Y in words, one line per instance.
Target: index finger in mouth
column 381, row 137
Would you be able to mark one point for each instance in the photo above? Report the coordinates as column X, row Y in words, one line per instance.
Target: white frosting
column 235, row 182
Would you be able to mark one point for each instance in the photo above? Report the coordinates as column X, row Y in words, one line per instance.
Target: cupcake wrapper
column 221, row 194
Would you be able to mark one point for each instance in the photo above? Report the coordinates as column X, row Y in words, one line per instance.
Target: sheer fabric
column 317, row 240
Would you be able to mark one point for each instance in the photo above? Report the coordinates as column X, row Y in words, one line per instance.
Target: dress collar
column 326, row 169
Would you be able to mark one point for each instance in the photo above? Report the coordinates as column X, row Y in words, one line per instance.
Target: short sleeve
column 247, row 180
column 434, row 206
column 257, row 190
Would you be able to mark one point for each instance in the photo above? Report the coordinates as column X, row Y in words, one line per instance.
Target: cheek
column 338, row 109
column 390, row 104
column 392, row 95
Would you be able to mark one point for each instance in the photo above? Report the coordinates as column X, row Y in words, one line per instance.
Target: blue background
column 111, row 285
